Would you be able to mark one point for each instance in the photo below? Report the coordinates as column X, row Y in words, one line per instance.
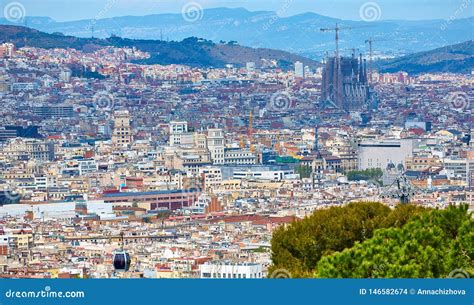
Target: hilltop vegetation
column 368, row 239
column 458, row 58
column 297, row 33
column 431, row 245
column 191, row 51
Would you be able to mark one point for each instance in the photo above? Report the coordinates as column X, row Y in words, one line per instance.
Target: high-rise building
column 216, row 144
column 345, row 84
column 299, row 69
column 122, row 134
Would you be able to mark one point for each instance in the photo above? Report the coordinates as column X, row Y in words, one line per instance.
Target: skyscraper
column 299, row 69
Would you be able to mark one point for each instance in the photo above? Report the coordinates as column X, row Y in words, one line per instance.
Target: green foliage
column 304, row 171
column 430, row 245
column 368, row 174
column 299, row 246
column 454, row 58
column 260, row 250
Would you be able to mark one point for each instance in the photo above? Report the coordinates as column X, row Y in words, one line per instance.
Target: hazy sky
column 62, row 10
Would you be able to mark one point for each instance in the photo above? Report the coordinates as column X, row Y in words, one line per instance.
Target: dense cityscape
column 185, row 172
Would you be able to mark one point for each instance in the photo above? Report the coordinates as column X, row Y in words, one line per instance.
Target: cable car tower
column 402, row 189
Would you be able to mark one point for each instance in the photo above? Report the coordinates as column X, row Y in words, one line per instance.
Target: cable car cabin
column 121, row 260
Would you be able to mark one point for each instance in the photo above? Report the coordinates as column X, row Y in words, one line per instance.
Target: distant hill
column 191, row 51
column 458, row 58
column 299, row 34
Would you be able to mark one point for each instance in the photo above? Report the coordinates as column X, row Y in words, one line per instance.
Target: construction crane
column 336, row 30
column 402, row 189
column 370, row 42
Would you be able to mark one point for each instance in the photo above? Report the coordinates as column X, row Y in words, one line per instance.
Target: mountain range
column 298, row 34
column 198, row 52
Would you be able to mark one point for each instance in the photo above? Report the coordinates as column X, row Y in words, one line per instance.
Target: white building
column 63, row 210
column 269, row 175
column 299, row 69
column 179, row 134
column 215, row 144
column 239, row 157
column 200, row 205
column 250, row 67
column 378, row 154
column 65, row 75
column 87, row 166
column 44, row 182
column 212, row 176
column 460, row 168
column 58, row 210
column 222, row 270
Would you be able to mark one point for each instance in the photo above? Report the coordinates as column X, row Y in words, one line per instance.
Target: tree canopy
column 300, row 246
column 368, row 174
column 430, row 245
